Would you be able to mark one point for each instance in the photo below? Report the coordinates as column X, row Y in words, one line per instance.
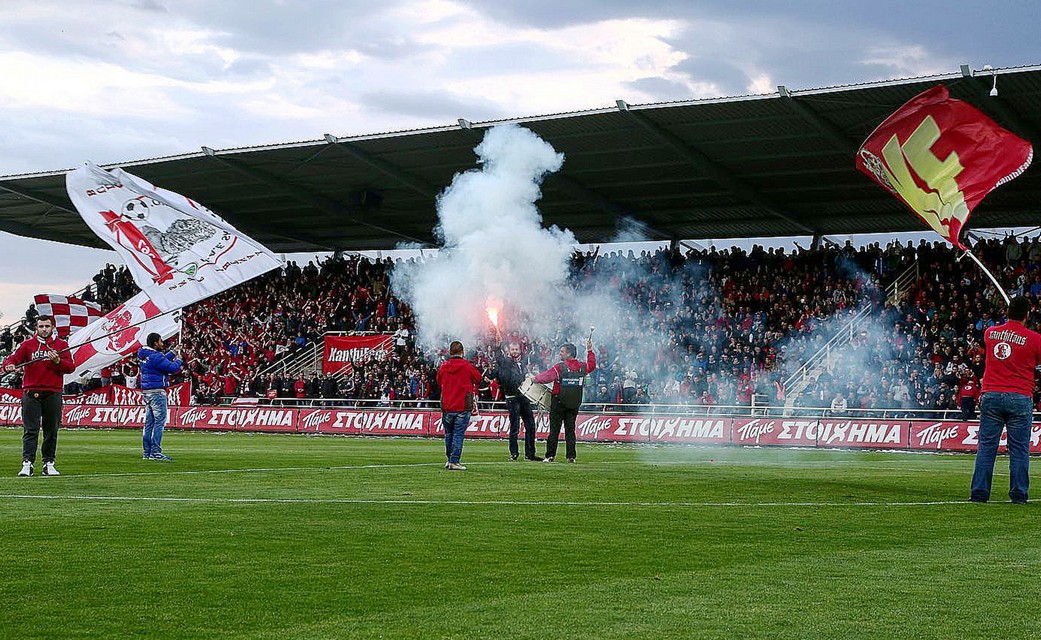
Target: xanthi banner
column 341, row 352
column 10, row 396
column 177, row 395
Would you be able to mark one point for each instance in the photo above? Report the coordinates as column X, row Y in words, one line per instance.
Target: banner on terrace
column 177, row 250
column 342, row 352
column 69, row 312
column 941, row 156
column 118, row 334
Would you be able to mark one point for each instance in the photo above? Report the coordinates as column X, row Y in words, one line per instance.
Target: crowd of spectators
column 719, row 329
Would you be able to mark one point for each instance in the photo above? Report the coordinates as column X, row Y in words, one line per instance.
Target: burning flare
column 493, row 308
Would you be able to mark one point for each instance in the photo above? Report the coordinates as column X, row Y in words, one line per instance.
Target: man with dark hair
column 45, row 358
column 155, row 366
column 1013, row 351
column 510, row 374
column 567, row 377
column 458, row 379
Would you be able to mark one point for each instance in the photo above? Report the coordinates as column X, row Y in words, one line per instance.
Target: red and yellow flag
column 941, row 156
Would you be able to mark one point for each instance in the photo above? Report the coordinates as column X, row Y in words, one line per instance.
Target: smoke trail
column 494, row 246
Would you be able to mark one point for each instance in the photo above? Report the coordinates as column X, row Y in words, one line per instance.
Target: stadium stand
column 731, row 325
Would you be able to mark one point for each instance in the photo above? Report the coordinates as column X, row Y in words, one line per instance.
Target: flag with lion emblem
column 118, row 334
column 177, row 250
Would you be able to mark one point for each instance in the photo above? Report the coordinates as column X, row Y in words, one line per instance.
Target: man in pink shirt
column 567, row 377
column 1013, row 351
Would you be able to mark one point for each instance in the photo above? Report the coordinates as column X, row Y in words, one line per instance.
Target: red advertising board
column 959, row 436
column 813, row 432
column 83, row 415
column 366, row 422
column 235, row 419
column 342, row 352
column 919, row 435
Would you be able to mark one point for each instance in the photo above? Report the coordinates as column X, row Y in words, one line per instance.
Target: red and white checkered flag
column 70, row 314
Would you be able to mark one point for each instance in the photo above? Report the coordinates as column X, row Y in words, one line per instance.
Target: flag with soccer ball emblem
column 177, row 250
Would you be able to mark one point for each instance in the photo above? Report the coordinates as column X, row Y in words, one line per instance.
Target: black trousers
column 520, row 409
column 968, row 408
column 558, row 416
column 40, row 408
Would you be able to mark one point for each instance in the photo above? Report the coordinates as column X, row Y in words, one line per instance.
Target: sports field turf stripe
column 532, row 503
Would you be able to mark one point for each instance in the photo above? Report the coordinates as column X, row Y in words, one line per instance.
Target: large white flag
column 177, row 250
column 119, row 334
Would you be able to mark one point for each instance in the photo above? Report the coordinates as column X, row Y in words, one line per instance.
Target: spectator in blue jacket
column 155, row 367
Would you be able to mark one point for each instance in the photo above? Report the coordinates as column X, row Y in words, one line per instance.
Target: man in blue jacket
column 155, row 366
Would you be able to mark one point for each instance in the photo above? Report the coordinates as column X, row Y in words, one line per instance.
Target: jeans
column 520, row 409
column 40, row 409
column 155, row 421
column 455, row 423
column 1013, row 412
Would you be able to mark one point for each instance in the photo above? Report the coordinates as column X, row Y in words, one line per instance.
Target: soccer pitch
column 276, row 536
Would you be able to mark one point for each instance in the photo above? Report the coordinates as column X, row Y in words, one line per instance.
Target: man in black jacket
column 510, row 374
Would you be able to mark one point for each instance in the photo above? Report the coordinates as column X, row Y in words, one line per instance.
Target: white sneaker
column 49, row 470
column 454, row 466
column 27, row 469
column 548, row 459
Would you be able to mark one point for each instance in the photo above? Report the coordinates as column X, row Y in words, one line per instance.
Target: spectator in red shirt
column 1013, row 352
column 968, row 395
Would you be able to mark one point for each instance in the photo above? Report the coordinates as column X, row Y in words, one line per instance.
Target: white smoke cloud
column 495, row 249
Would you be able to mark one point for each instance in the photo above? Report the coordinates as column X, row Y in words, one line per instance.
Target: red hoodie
column 43, row 375
column 457, row 378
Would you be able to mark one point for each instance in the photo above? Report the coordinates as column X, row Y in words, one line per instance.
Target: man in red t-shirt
column 45, row 358
column 458, row 379
column 1013, row 351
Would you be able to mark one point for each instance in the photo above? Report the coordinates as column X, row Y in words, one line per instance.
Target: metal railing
column 816, row 364
column 609, row 408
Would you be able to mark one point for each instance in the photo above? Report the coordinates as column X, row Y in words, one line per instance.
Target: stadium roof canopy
column 780, row 164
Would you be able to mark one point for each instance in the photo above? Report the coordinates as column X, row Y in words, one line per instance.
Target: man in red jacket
column 46, row 358
column 458, row 379
column 1013, row 352
column 567, row 377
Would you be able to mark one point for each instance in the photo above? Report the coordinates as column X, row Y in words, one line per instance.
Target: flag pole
column 989, row 274
column 107, row 335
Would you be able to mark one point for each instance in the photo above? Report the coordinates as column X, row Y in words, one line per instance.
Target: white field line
column 168, row 471
column 533, row 503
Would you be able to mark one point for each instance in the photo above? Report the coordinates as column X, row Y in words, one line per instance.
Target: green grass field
column 274, row 536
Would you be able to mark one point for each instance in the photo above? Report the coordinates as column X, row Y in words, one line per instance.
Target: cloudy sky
column 117, row 80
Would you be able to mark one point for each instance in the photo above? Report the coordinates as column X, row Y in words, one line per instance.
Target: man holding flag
column 178, row 252
column 45, row 359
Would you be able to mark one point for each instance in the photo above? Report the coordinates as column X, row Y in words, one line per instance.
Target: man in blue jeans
column 1013, row 351
column 458, row 379
column 155, row 367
